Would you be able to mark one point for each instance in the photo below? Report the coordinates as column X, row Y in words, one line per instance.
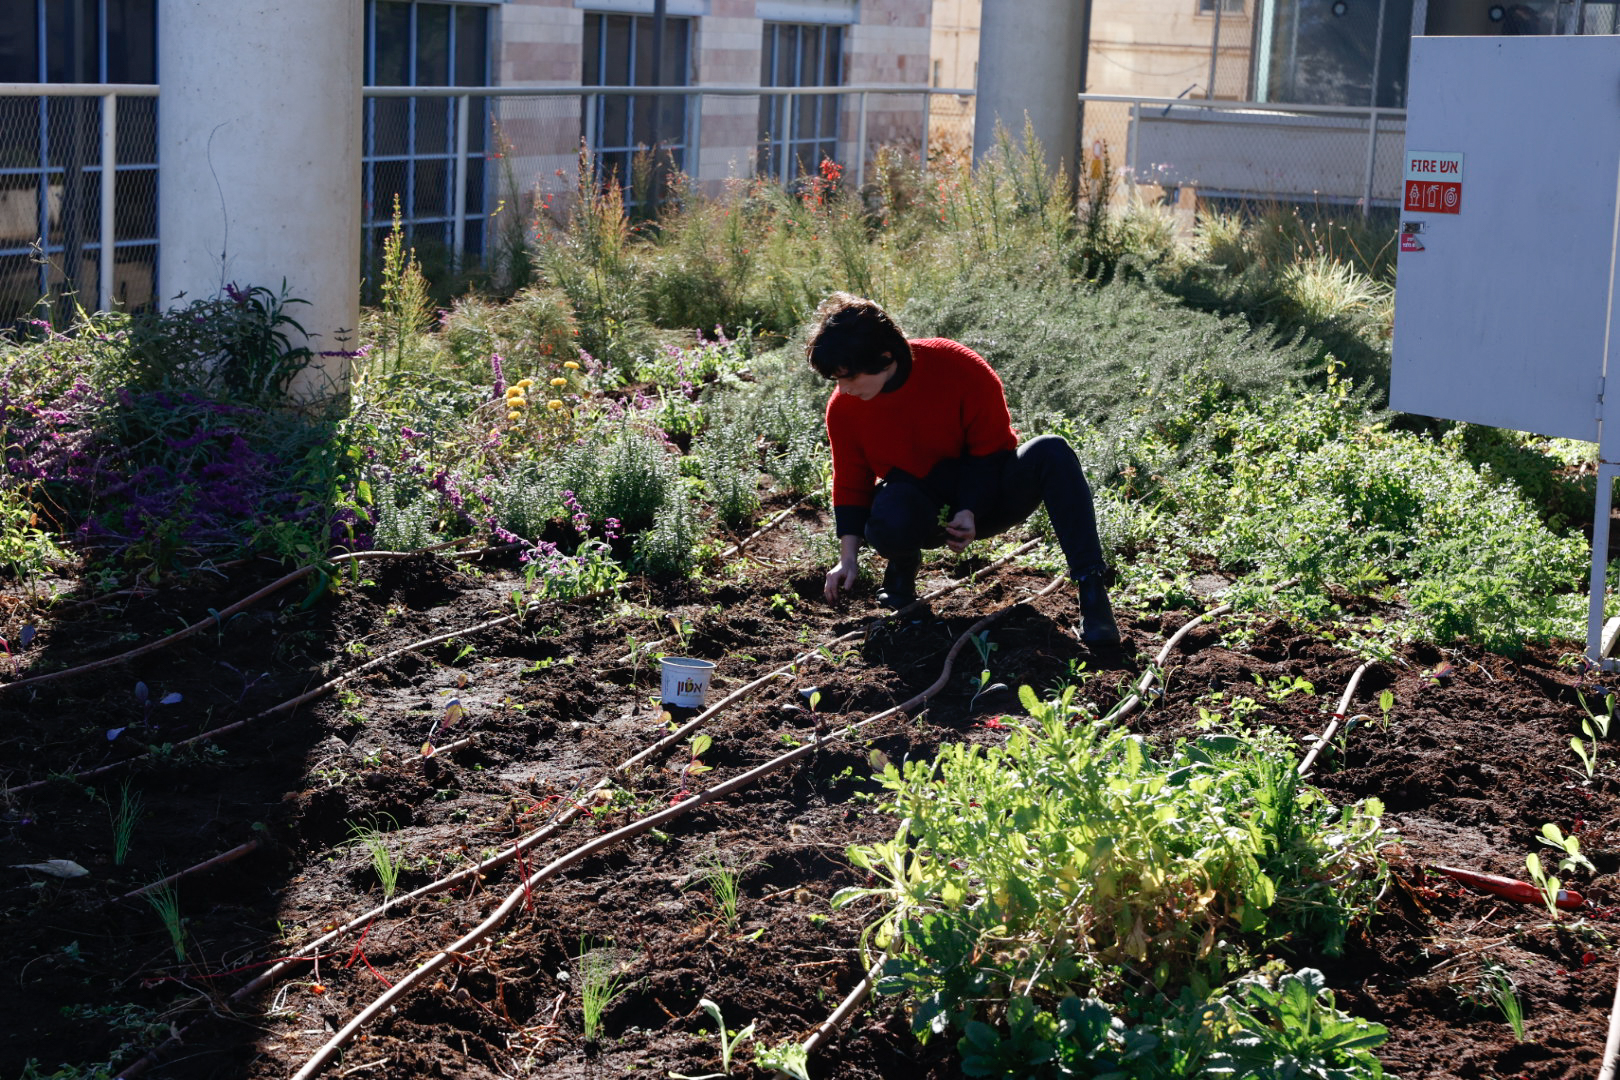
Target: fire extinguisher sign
column 1433, row 183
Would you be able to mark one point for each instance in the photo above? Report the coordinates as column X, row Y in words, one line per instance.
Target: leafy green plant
column 1568, row 848
column 124, row 818
column 1588, row 755
column 729, row 1041
column 601, row 983
column 238, row 345
column 730, row 471
column 383, row 862
column 1543, row 881
column 1160, row 859
column 789, row 1058
column 1290, row 1027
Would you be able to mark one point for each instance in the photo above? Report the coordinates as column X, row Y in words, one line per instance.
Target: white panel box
column 1508, row 225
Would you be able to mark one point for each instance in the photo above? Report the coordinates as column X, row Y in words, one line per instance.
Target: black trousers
column 906, row 509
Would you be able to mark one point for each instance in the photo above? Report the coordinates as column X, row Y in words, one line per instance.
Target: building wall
column 1154, row 48
column 1161, row 48
column 953, row 64
column 541, row 44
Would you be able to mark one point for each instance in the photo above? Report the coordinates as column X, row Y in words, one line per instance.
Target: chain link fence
column 1180, row 153
column 468, row 168
column 78, row 198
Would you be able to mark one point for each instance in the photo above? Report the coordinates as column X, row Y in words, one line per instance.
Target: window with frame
column 797, row 131
column 50, row 151
column 624, row 50
column 1228, row 7
column 410, row 142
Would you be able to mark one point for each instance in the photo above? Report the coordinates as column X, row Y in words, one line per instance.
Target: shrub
column 629, row 479
column 730, row 459
column 237, row 345
column 1320, row 489
column 1072, row 864
column 670, row 548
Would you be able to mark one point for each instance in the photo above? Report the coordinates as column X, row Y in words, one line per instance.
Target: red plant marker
column 1512, row 888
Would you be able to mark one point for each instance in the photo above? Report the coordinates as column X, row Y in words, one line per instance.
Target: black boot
column 900, row 582
column 1096, row 616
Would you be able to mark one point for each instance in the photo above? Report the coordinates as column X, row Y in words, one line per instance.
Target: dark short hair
column 850, row 335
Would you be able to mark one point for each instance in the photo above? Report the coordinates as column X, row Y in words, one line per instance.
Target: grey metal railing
column 1251, row 150
column 78, row 162
column 710, row 132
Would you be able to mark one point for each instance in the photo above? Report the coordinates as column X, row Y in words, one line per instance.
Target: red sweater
column 952, row 405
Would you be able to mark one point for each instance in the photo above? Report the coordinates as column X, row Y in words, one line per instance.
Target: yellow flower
column 571, row 365
column 559, row 382
column 516, row 403
column 514, row 415
column 525, row 383
column 554, row 404
column 515, row 391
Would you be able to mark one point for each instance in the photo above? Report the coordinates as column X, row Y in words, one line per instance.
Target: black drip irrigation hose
column 572, row 807
column 458, row 950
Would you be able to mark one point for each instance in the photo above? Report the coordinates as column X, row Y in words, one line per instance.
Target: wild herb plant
column 124, row 818
column 670, row 549
column 406, row 309
column 601, row 983
column 165, row 900
column 383, row 861
column 725, row 886
column 1504, row 994
column 236, row 346
column 730, row 471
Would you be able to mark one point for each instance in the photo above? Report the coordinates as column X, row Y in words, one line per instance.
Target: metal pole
column 928, row 100
column 1378, row 54
column 1135, row 140
column 1607, row 471
column 109, row 190
column 458, row 229
column 860, row 145
column 694, row 141
column 1214, row 50
column 1372, row 150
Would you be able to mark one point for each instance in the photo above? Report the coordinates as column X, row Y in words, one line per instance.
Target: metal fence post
column 860, row 144
column 1372, row 150
column 1135, row 137
column 928, row 100
column 109, row 191
column 694, row 139
column 458, row 230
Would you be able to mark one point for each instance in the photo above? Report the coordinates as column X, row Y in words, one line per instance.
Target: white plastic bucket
column 685, row 682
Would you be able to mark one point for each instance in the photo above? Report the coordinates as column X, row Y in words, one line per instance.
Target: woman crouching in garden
column 921, row 436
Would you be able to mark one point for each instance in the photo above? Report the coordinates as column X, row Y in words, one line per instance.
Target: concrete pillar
column 259, row 130
column 1029, row 62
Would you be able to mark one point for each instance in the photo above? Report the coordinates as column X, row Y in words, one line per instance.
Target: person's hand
column 840, row 578
column 961, row 529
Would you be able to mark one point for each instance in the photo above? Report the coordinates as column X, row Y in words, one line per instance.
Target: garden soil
column 1471, row 760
